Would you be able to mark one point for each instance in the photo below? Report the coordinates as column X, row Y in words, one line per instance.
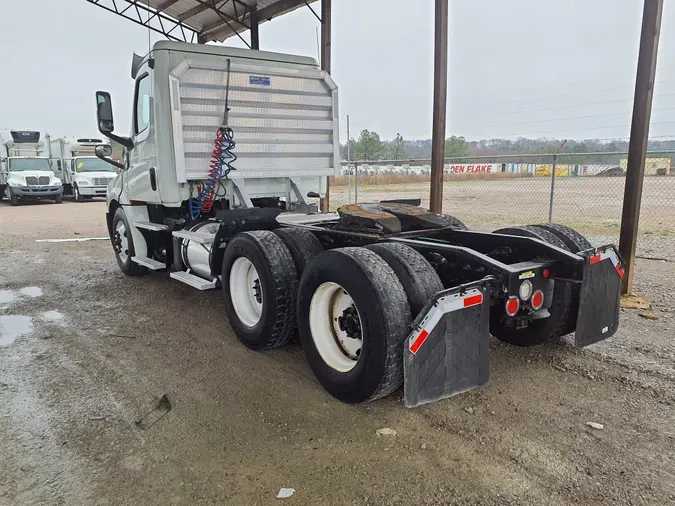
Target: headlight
column 16, row 183
column 525, row 290
column 83, row 182
column 56, row 182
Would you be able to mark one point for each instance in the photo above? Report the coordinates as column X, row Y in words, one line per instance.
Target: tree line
column 370, row 147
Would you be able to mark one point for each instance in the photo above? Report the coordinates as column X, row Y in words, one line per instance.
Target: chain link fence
column 488, row 193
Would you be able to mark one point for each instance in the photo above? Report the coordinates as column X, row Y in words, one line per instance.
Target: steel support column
column 440, row 102
column 639, row 136
column 326, row 37
column 255, row 34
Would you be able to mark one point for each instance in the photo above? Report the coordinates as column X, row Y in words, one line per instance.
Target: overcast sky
column 562, row 68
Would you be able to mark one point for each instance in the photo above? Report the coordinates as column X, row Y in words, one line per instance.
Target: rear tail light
column 512, row 306
column 537, row 299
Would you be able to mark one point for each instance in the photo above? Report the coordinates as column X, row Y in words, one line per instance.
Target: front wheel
column 123, row 245
column 353, row 317
column 59, row 198
column 13, row 199
column 77, row 195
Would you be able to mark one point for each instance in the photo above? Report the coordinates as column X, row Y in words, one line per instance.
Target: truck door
column 143, row 158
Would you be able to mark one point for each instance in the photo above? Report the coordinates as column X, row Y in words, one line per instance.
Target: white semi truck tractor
column 25, row 168
column 84, row 174
column 228, row 148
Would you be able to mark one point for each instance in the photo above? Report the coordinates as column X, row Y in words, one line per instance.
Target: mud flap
column 600, row 296
column 447, row 351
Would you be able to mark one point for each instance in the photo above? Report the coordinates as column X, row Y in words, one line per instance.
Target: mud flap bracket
column 600, row 296
column 447, row 351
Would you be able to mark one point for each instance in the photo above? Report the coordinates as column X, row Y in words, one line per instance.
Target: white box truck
column 25, row 168
column 84, row 175
column 226, row 148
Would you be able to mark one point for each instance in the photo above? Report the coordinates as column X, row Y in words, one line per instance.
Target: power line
column 458, row 108
column 574, row 130
column 520, row 90
column 590, row 116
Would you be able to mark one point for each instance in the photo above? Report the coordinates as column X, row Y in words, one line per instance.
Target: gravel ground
column 85, row 352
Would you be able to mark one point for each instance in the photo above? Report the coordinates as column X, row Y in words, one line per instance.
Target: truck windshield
column 23, row 164
column 92, row 165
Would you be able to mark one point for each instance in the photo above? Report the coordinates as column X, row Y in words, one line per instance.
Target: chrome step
column 194, row 281
column 151, row 264
column 200, row 239
column 148, row 225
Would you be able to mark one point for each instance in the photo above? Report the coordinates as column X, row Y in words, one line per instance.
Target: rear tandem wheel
column 353, row 317
column 537, row 331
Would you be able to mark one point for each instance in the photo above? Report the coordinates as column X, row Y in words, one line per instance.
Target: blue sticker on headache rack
column 261, row 80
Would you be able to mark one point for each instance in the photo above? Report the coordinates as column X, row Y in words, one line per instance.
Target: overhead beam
column 283, row 6
column 184, row 16
column 440, row 104
column 166, row 5
column 639, row 137
column 138, row 12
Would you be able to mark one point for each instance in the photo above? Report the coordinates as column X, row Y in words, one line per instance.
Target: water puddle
column 31, row 291
column 52, row 316
column 12, row 327
column 7, row 296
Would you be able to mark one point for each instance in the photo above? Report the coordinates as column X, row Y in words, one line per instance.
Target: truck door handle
column 153, row 179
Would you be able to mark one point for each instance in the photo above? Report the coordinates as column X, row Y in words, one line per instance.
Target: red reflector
column 419, row 341
column 512, row 306
column 546, row 273
column 473, row 300
column 537, row 299
column 620, row 270
column 595, row 259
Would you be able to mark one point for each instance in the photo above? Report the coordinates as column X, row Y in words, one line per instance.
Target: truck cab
column 84, row 175
column 26, row 171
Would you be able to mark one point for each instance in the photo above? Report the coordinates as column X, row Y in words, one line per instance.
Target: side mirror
column 104, row 151
column 104, row 118
column 104, row 113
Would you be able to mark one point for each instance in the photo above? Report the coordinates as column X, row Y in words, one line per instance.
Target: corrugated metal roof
column 201, row 20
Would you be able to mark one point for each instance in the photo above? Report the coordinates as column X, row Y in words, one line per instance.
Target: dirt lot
column 591, row 204
column 85, row 352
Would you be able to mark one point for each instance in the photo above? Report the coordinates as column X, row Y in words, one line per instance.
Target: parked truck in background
column 84, row 175
column 227, row 149
column 25, row 167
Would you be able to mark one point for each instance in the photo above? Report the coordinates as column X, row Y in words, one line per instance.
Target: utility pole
column 440, row 103
column 639, row 137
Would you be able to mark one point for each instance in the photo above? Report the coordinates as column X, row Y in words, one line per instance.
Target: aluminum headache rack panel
column 284, row 117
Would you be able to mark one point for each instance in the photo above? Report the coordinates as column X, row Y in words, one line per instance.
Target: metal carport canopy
column 200, row 20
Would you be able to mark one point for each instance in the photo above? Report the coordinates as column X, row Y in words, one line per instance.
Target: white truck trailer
column 25, row 168
column 84, row 174
column 227, row 148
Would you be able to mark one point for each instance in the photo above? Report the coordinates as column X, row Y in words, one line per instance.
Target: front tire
column 77, row 195
column 59, row 198
column 353, row 317
column 123, row 245
column 13, row 199
column 260, row 284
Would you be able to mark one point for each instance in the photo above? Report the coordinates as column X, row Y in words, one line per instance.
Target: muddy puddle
column 13, row 327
